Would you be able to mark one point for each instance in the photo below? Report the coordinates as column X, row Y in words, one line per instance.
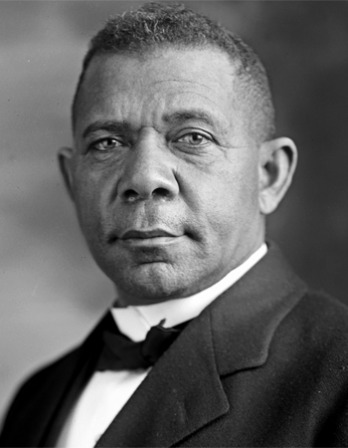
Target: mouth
column 145, row 234
column 149, row 237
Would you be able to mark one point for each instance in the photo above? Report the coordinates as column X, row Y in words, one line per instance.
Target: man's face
column 164, row 176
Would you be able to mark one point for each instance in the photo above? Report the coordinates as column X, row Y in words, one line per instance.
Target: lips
column 146, row 234
column 149, row 239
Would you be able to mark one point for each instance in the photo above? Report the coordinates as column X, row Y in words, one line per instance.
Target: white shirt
column 107, row 392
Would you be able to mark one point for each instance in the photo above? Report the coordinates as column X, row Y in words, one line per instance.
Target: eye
column 194, row 139
column 106, row 144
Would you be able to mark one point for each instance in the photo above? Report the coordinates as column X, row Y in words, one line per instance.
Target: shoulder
column 43, row 379
column 314, row 335
column 315, row 341
column 48, row 373
column 31, row 404
column 39, row 395
column 64, row 366
column 320, row 316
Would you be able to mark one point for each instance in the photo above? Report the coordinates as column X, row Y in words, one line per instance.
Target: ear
column 278, row 159
column 65, row 161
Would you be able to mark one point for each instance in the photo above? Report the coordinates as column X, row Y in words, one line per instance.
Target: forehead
column 148, row 86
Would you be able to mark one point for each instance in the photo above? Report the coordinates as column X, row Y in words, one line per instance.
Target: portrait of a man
column 212, row 339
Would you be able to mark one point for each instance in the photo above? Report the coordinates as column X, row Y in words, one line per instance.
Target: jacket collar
column 183, row 392
column 246, row 317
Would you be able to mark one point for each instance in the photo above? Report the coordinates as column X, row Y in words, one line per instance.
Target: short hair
column 156, row 25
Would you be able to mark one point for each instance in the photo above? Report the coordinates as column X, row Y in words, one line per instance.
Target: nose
column 149, row 172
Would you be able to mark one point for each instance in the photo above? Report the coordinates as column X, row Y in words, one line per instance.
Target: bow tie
column 121, row 353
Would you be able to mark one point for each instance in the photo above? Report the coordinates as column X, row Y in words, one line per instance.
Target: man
column 175, row 166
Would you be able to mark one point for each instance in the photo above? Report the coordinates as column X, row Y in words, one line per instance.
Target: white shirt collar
column 135, row 321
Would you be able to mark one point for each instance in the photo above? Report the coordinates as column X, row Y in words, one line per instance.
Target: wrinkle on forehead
column 127, row 88
column 158, row 111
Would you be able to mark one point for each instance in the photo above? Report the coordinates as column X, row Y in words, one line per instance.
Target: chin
column 149, row 283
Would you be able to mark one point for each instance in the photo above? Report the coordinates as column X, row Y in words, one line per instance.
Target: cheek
column 232, row 207
column 228, row 195
column 88, row 202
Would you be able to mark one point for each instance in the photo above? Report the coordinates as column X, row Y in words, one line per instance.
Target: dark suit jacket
column 265, row 365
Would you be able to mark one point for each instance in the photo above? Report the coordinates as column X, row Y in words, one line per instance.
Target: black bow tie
column 121, row 353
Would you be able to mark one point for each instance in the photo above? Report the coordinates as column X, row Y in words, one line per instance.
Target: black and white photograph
column 173, row 223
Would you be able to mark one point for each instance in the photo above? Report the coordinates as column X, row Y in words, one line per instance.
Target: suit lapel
column 35, row 414
column 184, row 392
column 247, row 315
column 63, row 383
column 79, row 373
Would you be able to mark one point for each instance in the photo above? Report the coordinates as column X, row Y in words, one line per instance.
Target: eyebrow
column 186, row 115
column 174, row 118
column 109, row 125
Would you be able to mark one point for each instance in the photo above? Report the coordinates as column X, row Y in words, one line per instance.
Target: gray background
column 51, row 291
